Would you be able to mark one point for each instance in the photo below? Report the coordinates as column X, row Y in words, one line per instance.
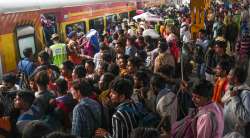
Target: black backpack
column 24, row 78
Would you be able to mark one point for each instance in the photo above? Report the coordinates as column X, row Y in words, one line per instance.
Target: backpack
column 186, row 128
column 24, row 78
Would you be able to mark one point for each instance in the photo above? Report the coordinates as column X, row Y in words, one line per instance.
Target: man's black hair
column 9, row 78
column 62, row 86
column 27, row 52
column 83, row 86
column 27, row 97
column 80, row 71
column 69, row 65
column 44, row 56
column 122, row 86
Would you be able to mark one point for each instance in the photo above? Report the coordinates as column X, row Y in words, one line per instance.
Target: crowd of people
column 124, row 84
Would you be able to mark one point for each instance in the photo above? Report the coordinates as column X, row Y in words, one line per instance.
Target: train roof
column 12, row 6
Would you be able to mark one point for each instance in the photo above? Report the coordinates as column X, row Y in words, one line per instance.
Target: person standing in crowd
column 222, row 70
column 141, row 86
column 130, row 49
column 72, row 46
column 78, row 72
column 87, row 113
column 66, row 72
column 166, row 101
column 202, row 44
column 43, row 95
column 63, row 104
column 243, row 51
column 124, row 119
column 104, row 82
column 218, row 27
column 231, row 32
column 26, row 67
column 59, row 52
column 9, row 83
column 210, row 121
column 216, row 57
column 237, row 104
column 28, row 112
column 90, row 69
column 164, row 57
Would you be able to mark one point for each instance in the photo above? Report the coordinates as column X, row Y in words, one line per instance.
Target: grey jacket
column 237, row 111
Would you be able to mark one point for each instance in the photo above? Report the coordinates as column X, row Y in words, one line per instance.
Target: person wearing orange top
column 222, row 69
column 73, row 49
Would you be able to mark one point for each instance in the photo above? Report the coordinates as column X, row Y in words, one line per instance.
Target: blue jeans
column 201, row 68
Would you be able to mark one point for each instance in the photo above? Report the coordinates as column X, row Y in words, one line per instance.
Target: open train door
column 1, row 67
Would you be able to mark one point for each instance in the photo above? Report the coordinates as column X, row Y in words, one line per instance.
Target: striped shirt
column 243, row 45
column 124, row 120
column 86, row 118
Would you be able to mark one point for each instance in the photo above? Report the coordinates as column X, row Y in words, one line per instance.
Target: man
column 66, row 72
column 98, row 56
column 164, row 57
column 210, row 115
column 73, row 51
column 63, row 103
column 201, row 47
column 43, row 95
column 59, row 51
column 124, row 118
column 222, row 70
column 9, row 83
column 130, row 49
column 132, row 65
column 243, row 50
column 237, row 105
column 26, row 66
column 23, row 102
column 231, row 32
column 166, row 101
column 87, row 113
column 44, row 64
column 141, row 86
column 218, row 56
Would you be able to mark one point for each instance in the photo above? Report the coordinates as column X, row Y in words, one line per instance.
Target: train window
column 26, row 39
column 78, row 27
column 1, row 68
column 48, row 22
column 111, row 20
column 97, row 24
column 132, row 13
column 123, row 15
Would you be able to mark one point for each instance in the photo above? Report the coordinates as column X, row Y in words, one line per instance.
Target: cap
column 71, row 34
column 54, row 36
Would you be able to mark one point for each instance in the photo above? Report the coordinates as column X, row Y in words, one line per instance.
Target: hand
column 183, row 85
column 100, row 132
column 233, row 93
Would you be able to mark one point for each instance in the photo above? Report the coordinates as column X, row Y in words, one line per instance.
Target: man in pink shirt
column 210, row 121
